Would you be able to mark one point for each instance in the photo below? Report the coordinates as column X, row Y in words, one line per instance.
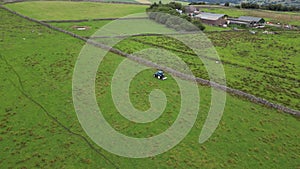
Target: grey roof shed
column 250, row 19
column 210, row 16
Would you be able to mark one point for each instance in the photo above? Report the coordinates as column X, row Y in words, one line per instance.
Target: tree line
column 168, row 14
column 273, row 7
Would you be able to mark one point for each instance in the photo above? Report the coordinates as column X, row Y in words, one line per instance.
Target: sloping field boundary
column 205, row 82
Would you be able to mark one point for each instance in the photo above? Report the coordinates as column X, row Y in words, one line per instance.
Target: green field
column 232, row 12
column 93, row 26
column 38, row 62
column 74, row 10
column 209, row 28
column 264, row 65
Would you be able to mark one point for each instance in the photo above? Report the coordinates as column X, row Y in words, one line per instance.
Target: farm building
column 212, row 19
column 190, row 9
column 247, row 20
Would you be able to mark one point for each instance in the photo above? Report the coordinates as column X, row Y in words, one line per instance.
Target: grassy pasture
column 264, row 65
column 232, row 12
column 249, row 135
column 93, row 26
column 209, row 28
column 123, row 26
column 60, row 10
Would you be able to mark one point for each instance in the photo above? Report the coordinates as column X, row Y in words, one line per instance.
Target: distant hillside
column 260, row 2
column 216, row 1
column 283, row 2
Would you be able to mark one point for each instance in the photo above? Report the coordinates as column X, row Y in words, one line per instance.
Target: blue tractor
column 160, row 75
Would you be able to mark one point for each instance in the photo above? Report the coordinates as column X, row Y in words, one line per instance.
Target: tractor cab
column 159, row 75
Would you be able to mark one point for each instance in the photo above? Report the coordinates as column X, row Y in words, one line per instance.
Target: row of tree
column 273, row 7
column 170, row 15
column 279, row 7
column 203, row 3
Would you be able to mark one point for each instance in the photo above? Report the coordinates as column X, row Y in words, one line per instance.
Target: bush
column 250, row 5
column 152, row 15
column 163, row 18
column 198, row 24
column 197, row 3
column 165, row 14
column 175, row 5
column 169, row 23
column 176, row 27
column 188, row 27
column 186, row 17
column 157, row 17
